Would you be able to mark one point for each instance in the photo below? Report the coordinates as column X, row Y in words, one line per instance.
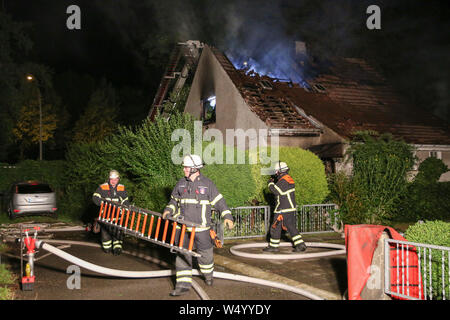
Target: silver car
column 30, row 198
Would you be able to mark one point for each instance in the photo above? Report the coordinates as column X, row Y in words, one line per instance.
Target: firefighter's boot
column 179, row 291
column 209, row 281
column 271, row 249
column 300, row 247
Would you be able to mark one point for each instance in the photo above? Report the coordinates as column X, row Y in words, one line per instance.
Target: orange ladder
column 133, row 221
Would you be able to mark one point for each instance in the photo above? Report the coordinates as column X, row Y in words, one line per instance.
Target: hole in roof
column 266, row 84
column 319, row 87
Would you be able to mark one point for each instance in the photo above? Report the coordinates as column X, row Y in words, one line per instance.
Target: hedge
column 434, row 233
column 306, row 169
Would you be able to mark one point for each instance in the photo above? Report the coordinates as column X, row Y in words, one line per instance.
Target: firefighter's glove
column 166, row 214
column 229, row 223
column 96, row 226
column 271, row 179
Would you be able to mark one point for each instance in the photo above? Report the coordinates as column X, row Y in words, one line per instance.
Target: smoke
column 411, row 47
column 259, row 33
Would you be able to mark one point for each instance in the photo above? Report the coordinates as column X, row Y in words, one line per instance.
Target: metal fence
column 316, row 218
column 416, row 271
column 254, row 221
column 250, row 222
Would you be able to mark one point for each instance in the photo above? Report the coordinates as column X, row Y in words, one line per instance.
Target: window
column 436, row 154
column 34, row 188
column 209, row 110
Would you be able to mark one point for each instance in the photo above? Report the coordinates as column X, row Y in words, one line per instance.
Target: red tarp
column 361, row 242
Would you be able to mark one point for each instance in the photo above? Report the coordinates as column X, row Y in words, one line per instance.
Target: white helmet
column 193, row 161
column 114, row 174
column 281, row 166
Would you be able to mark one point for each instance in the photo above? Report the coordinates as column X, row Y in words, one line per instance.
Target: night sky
column 126, row 41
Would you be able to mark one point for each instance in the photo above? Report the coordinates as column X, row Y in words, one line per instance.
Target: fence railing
column 255, row 221
column 315, row 218
column 416, row 271
column 250, row 222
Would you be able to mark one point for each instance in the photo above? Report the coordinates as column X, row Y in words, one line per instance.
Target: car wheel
column 12, row 216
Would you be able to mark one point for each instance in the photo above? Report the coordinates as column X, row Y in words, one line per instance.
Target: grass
column 6, row 279
column 4, row 219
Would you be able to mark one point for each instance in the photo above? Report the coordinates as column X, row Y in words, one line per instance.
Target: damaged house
column 347, row 95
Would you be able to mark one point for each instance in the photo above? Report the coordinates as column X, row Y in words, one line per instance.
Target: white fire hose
column 289, row 256
column 160, row 273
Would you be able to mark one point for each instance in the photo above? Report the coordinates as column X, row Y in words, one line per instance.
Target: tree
column 14, row 44
column 380, row 167
column 99, row 118
column 27, row 128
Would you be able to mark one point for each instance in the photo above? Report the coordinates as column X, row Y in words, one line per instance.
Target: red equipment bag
column 361, row 242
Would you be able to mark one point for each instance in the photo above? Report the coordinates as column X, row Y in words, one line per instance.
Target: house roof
column 355, row 98
column 264, row 97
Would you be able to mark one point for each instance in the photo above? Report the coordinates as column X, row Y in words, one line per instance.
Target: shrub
column 434, row 233
column 234, row 181
column 430, row 170
column 426, row 198
column 141, row 154
column 306, row 169
column 380, row 167
column 346, row 194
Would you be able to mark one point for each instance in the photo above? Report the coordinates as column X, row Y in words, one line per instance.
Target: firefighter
column 111, row 238
column 283, row 187
column 192, row 199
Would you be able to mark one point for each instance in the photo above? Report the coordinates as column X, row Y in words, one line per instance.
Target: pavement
column 325, row 277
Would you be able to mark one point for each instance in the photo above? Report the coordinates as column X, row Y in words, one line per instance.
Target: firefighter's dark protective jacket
column 284, row 191
column 106, row 191
column 194, row 200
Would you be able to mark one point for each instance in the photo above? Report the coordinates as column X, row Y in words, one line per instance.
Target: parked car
column 30, row 198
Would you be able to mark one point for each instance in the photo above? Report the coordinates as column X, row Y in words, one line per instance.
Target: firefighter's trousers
column 183, row 263
column 288, row 221
column 111, row 238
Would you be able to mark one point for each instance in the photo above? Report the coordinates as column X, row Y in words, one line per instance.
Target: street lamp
column 30, row 78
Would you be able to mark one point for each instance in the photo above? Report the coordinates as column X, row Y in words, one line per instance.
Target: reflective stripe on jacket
column 284, row 190
column 117, row 194
column 194, row 200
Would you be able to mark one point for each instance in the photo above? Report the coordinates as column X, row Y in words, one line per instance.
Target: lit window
column 209, row 110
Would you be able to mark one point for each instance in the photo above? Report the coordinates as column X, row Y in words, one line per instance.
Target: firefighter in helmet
column 111, row 238
column 283, row 187
column 192, row 198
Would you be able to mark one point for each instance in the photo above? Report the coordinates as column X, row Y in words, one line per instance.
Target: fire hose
column 288, row 256
column 161, row 273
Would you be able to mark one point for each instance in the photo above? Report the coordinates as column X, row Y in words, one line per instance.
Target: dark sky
column 412, row 47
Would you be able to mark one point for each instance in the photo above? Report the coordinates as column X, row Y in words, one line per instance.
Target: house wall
column 231, row 110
